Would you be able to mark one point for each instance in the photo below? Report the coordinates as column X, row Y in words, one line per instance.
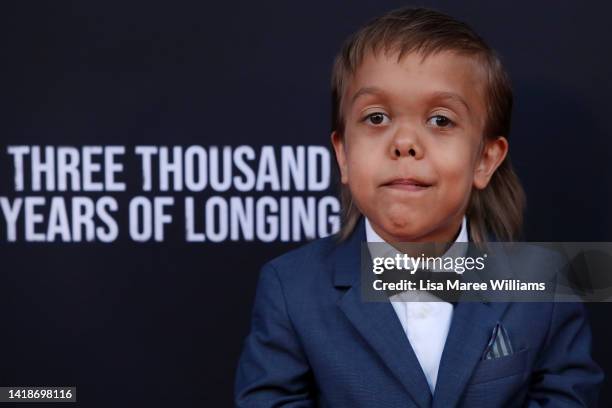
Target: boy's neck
column 435, row 246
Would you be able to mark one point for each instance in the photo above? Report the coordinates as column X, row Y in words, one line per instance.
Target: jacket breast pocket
column 497, row 368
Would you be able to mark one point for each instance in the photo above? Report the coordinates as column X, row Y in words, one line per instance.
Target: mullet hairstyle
column 498, row 208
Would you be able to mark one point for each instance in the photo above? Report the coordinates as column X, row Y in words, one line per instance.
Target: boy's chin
column 408, row 227
column 404, row 230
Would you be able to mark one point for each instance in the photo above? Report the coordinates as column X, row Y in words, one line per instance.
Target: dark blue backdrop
column 161, row 325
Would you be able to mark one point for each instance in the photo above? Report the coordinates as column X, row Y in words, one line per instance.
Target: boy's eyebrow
column 436, row 95
column 451, row 96
column 364, row 91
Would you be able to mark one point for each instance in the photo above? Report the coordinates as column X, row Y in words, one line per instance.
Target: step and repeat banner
column 242, row 193
column 153, row 156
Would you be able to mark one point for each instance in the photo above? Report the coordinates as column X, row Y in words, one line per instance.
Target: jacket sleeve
column 565, row 374
column 272, row 370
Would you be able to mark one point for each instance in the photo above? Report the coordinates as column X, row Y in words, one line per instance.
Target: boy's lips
column 407, row 184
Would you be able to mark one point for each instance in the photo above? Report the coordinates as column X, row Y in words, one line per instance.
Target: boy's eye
column 377, row 118
column 440, row 121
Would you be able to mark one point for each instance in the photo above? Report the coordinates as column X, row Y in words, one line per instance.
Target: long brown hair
column 497, row 209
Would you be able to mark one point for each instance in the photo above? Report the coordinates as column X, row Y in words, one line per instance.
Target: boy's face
column 411, row 151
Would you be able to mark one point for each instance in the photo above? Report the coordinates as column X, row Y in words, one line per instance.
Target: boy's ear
column 338, row 143
column 493, row 154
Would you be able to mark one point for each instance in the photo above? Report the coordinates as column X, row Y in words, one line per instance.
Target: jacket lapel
column 468, row 336
column 376, row 321
column 467, row 339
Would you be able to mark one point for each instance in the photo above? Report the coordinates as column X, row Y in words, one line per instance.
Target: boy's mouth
column 407, row 184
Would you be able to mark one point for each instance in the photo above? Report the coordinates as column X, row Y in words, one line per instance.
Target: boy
column 421, row 115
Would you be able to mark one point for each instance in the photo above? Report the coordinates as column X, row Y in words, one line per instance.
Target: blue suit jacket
column 314, row 342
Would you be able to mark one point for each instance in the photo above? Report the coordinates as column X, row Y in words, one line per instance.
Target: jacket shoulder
column 303, row 261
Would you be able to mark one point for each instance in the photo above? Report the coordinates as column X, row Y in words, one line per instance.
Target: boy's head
column 421, row 111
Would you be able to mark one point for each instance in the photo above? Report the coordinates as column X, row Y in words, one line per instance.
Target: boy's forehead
column 443, row 73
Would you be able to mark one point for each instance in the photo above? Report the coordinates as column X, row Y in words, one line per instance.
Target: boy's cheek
column 364, row 177
column 359, row 169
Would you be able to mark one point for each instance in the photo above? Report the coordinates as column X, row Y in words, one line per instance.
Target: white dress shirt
column 425, row 323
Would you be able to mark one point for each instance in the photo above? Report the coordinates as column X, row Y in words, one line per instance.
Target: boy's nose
column 406, row 148
column 411, row 152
